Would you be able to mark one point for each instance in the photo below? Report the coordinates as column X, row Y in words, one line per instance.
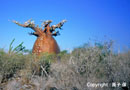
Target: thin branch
column 29, row 24
column 59, row 25
column 44, row 23
column 56, row 33
column 44, row 71
column 34, row 33
column 39, row 31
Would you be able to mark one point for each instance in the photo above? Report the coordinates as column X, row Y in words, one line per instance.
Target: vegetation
column 66, row 71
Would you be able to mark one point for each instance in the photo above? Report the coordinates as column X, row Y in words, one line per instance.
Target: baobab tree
column 45, row 41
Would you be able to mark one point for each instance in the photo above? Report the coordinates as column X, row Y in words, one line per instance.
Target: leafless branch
column 44, row 71
column 56, row 33
column 59, row 25
column 29, row 24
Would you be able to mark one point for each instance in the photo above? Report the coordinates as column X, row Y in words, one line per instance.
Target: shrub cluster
column 66, row 71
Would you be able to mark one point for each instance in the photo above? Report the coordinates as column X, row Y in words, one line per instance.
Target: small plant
column 17, row 49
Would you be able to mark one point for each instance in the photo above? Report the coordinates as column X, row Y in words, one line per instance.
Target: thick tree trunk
column 45, row 44
column 45, row 41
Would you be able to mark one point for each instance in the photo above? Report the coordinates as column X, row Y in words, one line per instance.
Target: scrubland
column 97, row 63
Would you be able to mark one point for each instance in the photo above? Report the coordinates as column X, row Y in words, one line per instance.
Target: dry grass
column 66, row 71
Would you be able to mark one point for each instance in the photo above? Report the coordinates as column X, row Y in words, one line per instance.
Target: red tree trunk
column 45, row 44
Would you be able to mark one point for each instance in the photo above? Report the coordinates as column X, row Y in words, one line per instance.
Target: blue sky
column 87, row 20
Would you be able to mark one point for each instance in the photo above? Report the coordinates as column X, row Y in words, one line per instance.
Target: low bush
column 67, row 71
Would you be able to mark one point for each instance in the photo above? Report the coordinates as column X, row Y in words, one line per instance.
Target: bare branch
column 29, row 24
column 59, row 25
column 39, row 31
column 34, row 33
column 53, row 27
column 44, row 23
column 43, row 69
column 56, row 33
